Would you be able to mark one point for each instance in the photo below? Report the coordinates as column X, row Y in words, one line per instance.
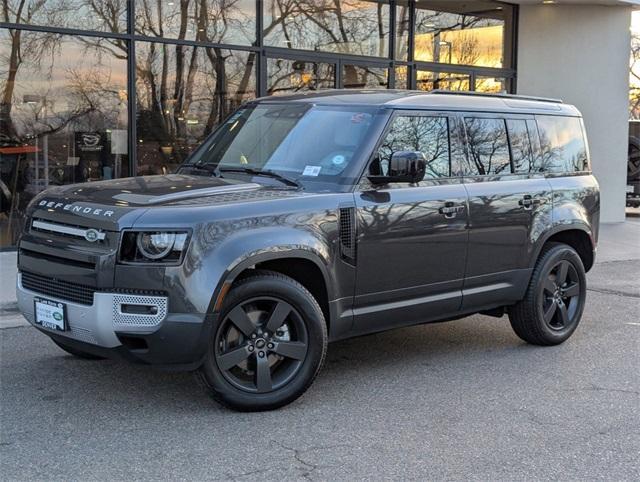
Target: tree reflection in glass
column 104, row 15
column 488, row 146
column 291, row 76
column 427, row 134
column 358, row 77
column 217, row 21
column 461, row 36
column 182, row 94
column 344, row 26
column 63, row 116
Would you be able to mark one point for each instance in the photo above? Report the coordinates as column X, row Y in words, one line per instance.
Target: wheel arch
column 302, row 265
column 578, row 236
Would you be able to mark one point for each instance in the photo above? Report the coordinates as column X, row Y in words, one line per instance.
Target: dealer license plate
column 50, row 314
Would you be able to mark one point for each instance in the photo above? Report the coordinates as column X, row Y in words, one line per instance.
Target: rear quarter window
column 562, row 144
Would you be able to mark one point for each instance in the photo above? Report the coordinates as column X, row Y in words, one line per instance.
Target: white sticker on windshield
column 311, row 171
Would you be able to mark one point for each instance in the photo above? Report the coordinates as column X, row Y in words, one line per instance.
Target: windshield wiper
column 203, row 166
column 260, row 172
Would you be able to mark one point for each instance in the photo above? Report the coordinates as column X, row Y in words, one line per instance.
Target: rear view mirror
column 405, row 166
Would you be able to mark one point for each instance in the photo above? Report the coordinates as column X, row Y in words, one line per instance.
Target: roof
column 437, row 100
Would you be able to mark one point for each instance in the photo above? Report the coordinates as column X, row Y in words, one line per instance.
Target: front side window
column 302, row 142
column 488, row 146
column 562, row 144
column 427, row 134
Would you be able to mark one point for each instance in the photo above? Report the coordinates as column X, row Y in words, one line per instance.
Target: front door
column 411, row 238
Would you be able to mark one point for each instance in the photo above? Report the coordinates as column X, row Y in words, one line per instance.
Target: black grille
column 347, row 234
column 56, row 259
column 64, row 290
column 74, row 292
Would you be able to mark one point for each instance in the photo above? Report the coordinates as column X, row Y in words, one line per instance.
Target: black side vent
column 348, row 235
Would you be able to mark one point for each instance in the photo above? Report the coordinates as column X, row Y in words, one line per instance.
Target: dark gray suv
column 313, row 218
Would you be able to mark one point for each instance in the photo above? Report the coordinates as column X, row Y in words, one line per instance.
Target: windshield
column 301, row 142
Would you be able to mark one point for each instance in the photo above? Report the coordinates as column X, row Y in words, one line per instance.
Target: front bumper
column 108, row 327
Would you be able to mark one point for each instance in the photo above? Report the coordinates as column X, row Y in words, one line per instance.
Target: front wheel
column 554, row 302
column 268, row 345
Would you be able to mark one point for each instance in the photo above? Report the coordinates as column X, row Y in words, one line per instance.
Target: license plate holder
column 50, row 314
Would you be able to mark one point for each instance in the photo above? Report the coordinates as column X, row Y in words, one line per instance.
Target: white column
column 581, row 55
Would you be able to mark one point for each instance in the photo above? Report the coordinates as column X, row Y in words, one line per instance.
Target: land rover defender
column 312, row 218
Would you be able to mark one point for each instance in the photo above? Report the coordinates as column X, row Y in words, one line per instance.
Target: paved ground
column 459, row 400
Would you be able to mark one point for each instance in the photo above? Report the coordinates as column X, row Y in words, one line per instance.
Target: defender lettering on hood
column 75, row 208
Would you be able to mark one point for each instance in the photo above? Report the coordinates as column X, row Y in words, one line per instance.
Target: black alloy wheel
column 268, row 345
column 553, row 304
column 261, row 344
column 561, row 298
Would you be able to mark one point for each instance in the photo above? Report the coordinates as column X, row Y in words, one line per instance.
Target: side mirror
column 405, row 166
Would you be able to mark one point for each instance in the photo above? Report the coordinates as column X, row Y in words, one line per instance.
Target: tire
column 268, row 344
column 553, row 304
column 77, row 353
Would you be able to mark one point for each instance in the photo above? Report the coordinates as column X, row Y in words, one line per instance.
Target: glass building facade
column 98, row 90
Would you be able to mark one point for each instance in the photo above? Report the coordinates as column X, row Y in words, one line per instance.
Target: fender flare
column 268, row 254
column 559, row 228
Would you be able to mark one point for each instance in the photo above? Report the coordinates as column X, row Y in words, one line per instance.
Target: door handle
column 450, row 210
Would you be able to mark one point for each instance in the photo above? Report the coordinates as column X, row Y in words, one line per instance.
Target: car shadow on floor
column 351, row 365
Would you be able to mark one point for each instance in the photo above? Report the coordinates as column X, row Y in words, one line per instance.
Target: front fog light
column 149, row 246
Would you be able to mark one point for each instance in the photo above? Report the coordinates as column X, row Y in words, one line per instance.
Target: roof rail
column 500, row 96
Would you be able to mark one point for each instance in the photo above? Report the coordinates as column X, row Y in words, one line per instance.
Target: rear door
column 412, row 238
column 508, row 202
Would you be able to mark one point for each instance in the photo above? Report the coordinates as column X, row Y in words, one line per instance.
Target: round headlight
column 155, row 245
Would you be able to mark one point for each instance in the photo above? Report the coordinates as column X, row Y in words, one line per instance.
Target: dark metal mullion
column 391, row 75
column 411, row 68
column 462, row 69
column 261, row 59
column 65, row 31
column 131, row 94
column 319, row 56
column 515, row 39
column 196, row 43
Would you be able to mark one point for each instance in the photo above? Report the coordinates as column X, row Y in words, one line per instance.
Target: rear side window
column 427, row 134
column 488, row 146
column 562, row 144
column 520, row 145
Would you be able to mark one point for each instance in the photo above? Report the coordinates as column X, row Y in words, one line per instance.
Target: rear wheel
column 554, row 302
column 77, row 353
column 268, row 346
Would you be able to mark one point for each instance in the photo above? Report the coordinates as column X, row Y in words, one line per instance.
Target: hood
column 115, row 201
column 149, row 190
